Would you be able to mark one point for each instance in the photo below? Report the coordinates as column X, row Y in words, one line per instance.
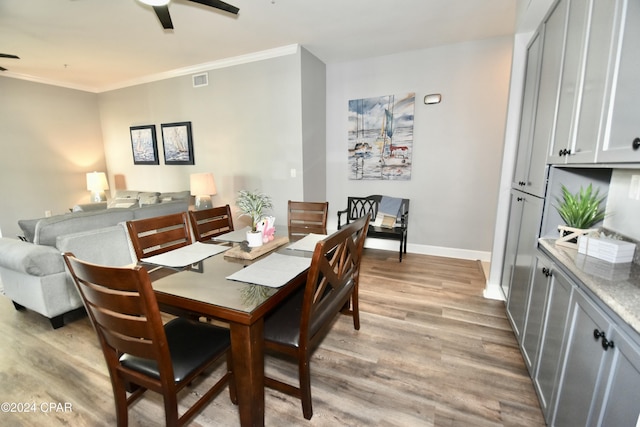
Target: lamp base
column 203, row 202
column 98, row 196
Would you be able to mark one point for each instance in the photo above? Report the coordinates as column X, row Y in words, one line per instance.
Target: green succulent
column 581, row 210
column 252, row 204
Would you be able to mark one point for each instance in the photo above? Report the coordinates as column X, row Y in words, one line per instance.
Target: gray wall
column 457, row 143
column 247, row 130
column 49, row 138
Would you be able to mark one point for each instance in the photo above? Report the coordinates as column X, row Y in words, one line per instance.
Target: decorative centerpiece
column 252, row 204
column 579, row 211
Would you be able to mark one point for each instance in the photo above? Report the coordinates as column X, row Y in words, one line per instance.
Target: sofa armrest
column 25, row 257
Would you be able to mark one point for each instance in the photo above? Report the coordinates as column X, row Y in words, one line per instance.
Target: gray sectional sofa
column 33, row 272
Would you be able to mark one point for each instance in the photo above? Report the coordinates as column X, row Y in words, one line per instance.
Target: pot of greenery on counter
column 580, row 212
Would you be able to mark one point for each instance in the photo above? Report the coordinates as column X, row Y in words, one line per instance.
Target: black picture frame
column 177, row 143
column 144, row 145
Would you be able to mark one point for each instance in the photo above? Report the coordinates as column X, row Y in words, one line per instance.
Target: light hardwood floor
column 431, row 351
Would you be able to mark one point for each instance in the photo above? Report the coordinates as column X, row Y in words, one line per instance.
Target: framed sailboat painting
column 380, row 139
column 144, row 145
column 177, row 143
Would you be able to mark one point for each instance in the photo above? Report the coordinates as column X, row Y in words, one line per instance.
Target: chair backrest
column 357, row 207
column 208, row 223
column 332, row 277
column 153, row 236
column 124, row 312
column 306, row 217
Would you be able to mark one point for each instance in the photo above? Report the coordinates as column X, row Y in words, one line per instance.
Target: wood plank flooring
column 431, row 351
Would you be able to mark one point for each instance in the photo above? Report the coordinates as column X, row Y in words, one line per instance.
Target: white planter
column 254, row 238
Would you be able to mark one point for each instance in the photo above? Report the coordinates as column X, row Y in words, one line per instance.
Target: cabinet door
column 620, row 393
column 582, row 363
column 554, row 31
column 537, row 297
column 623, row 126
column 590, row 120
column 570, row 81
column 513, row 233
column 527, row 114
column 553, row 336
column 523, row 263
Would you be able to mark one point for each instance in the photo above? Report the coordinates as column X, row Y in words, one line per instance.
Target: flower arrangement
column 252, row 204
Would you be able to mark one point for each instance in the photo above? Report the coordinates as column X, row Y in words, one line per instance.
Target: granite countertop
column 617, row 285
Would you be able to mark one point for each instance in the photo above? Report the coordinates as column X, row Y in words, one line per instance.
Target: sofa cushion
column 175, row 195
column 36, row 260
column 28, row 227
column 125, row 202
column 126, row 194
column 148, row 199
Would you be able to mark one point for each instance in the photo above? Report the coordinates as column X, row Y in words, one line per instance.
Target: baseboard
column 393, row 245
column 493, row 291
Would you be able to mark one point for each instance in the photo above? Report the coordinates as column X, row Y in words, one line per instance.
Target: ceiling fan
column 6, row 55
column 162, row 9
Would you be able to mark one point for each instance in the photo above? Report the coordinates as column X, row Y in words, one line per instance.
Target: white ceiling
column 98, row 45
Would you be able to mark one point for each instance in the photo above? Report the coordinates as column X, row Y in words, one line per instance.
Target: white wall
column 457, row 143
column 49, row 138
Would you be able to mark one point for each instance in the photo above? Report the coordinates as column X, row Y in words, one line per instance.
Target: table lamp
column 97, row 183
column 203, row 187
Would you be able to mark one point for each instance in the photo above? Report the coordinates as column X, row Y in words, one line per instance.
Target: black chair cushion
column 191, row 344
column 283, row 324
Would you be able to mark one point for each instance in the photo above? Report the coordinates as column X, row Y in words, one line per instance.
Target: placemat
column 237, row 252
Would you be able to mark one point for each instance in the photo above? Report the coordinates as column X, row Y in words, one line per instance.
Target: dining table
column 203, row 289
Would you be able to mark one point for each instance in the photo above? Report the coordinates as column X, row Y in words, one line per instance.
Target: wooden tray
column 237, row 252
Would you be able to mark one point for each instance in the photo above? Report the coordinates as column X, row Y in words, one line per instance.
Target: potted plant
column 579, row 211
column 252, row 204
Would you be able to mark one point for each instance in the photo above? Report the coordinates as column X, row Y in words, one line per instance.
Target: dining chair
column 208, row 223
column 297, row 326
column 156, row 235
column 306, row 217
column 141, row 353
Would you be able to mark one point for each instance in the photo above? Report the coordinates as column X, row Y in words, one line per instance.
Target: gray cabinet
column 554, row 326
column 521, row 178
column 600, row 379
column 564, row 146
column 522, row 257
column 540, row 279
column 621, row 127
column 547, row 47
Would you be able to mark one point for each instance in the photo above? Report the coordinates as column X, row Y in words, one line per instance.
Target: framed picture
column 177, row 143
column 144, row 145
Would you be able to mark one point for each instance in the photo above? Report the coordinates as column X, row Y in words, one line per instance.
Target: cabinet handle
column 635, row 144
column 546, row 271
column 606, row 344
column 519, row 199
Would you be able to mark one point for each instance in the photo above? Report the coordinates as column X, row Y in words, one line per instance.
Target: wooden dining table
column 204, row 290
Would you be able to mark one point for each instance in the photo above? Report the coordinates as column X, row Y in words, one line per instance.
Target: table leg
column 247, row 349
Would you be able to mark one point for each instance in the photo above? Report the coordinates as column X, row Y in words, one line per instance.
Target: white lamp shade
column 97, row 181
column 202, row 184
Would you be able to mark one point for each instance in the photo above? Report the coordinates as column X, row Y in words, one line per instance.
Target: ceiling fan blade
column 3, row 69
column 218, row 5
column 6, row 55
column 164, row 17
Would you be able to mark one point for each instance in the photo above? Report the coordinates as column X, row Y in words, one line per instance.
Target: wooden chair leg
column 305, row 387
